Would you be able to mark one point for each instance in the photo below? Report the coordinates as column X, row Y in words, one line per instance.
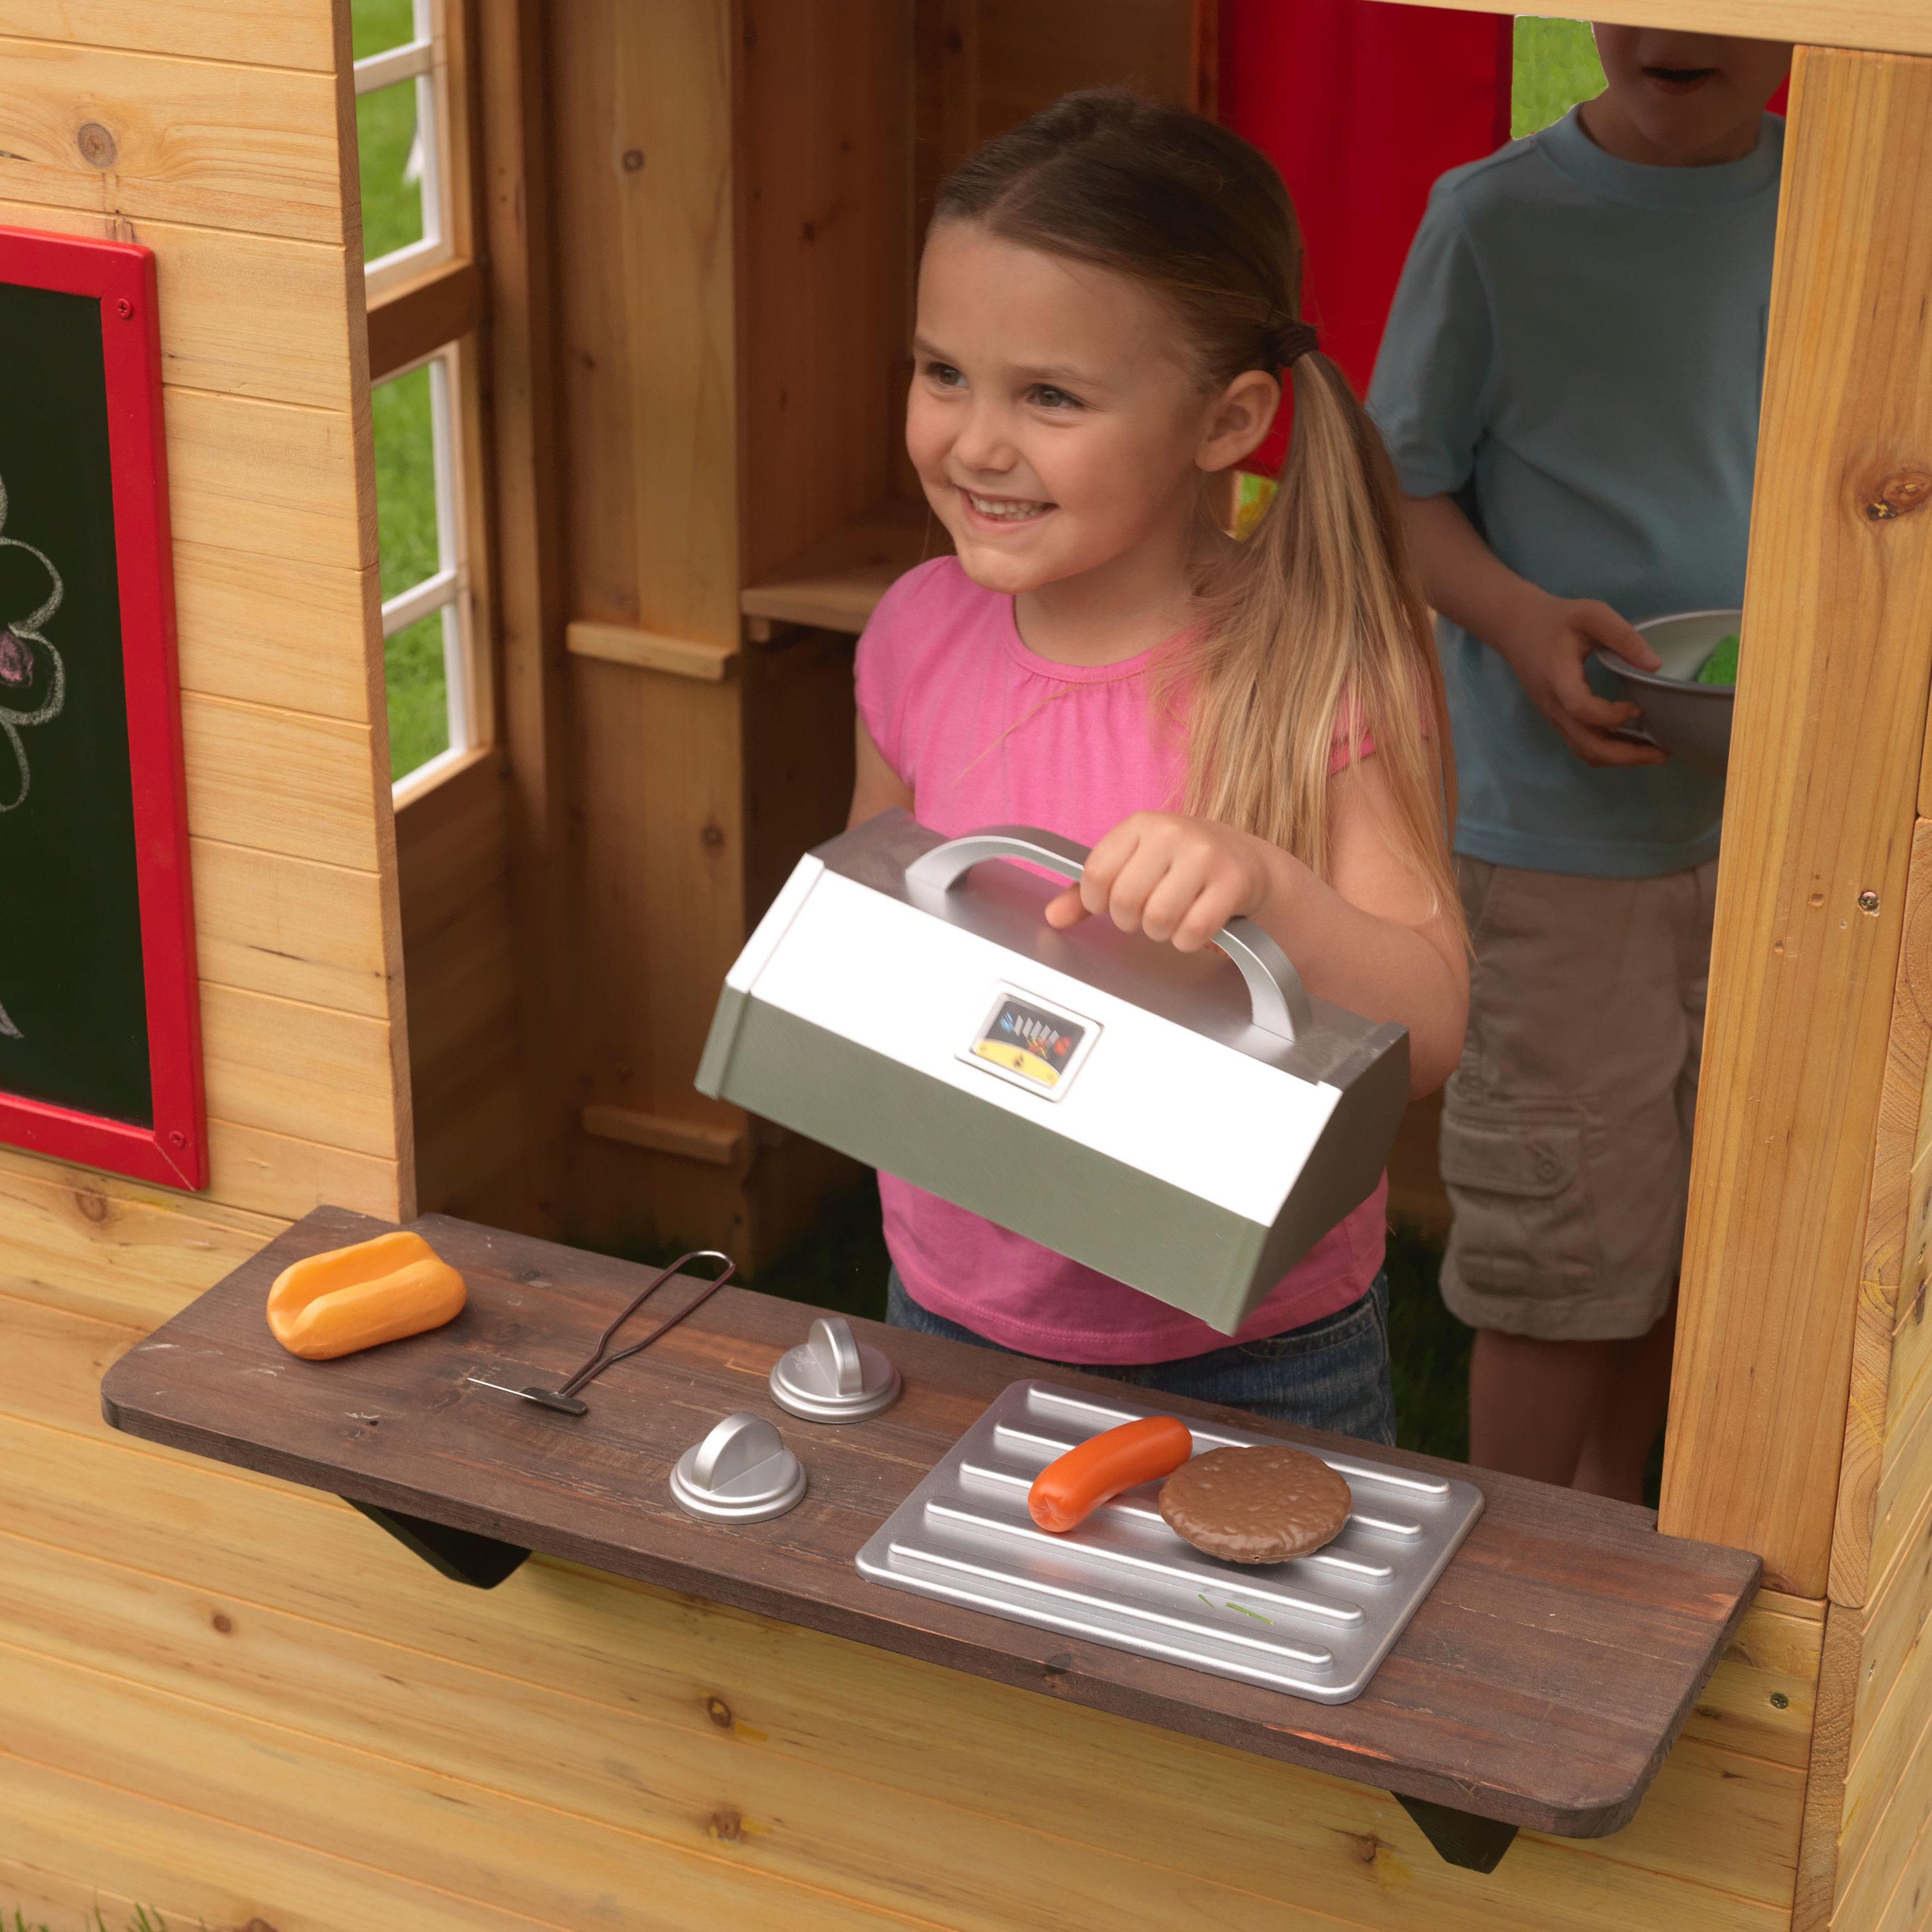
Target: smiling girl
column 1108, row 304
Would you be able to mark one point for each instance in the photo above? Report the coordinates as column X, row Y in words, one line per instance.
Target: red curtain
column 1361, row 105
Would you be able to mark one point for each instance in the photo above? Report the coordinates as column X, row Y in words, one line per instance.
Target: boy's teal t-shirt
column 1576, row 352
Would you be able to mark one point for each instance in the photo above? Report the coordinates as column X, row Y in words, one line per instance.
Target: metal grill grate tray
column 1317, row 1627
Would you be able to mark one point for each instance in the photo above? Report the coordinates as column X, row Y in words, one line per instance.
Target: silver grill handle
column 1278, row 1000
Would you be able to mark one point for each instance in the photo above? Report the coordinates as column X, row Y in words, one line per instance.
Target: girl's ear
column 1238, row 419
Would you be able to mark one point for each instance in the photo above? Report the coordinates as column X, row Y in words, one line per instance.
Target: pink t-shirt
column 986, row 733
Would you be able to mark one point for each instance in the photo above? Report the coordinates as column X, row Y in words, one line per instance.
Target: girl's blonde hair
column 1317, row 631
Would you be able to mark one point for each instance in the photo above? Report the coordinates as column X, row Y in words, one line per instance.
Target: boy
column 1569, row 387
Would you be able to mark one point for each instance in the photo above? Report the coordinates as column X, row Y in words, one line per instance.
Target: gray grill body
column 1316, row 1626
column 1189, row 1152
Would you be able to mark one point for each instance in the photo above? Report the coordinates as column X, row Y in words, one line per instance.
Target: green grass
column 385, row 123
column 405, row 461
column 1556, row 66
column 405, row 545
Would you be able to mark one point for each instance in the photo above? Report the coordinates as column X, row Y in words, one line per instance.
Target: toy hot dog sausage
column 1072, row 1486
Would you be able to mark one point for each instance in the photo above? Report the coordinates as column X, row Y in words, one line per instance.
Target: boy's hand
column 1546, row 646
column 1173, row 878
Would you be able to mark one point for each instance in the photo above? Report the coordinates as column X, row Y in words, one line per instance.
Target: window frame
column 425, row 307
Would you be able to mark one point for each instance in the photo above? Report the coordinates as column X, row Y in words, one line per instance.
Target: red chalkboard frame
column 121, row 276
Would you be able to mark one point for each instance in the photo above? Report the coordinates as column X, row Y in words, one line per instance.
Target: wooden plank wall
column 1830, row 728
column 232, row 1700
column 231, row 167
column 1867, row 1857
column 1815, row 1319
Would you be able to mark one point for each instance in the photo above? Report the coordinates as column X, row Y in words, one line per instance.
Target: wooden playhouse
column 668, row 281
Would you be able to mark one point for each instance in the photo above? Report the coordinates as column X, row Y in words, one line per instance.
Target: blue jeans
column 1333, row 1374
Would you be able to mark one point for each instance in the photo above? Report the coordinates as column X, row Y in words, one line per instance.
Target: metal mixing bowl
column 1690, row 721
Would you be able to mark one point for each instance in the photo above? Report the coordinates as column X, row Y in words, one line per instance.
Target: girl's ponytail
column 1317, row 639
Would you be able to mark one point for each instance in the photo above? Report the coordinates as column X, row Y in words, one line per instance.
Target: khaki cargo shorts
column 1566, row 1129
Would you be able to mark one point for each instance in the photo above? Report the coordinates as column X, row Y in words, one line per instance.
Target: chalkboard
column 99, row 1052
column 74, row 1011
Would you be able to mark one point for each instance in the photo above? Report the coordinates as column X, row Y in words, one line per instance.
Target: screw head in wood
column 1868, row 901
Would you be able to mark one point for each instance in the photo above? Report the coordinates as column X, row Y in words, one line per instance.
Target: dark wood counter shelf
column 1540, row 1685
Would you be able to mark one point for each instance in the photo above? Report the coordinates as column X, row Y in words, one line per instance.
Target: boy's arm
column 1543, row 639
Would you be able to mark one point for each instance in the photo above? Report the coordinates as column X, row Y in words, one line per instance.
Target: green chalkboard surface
column 74, row 1030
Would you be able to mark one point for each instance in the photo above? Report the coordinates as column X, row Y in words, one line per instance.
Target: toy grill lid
column 1190, row 1124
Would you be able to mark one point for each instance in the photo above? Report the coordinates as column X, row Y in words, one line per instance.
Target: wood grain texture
column 836, row 581
column 252, row 315
column 96, row 1246
column 1542, row 1682
column 649, row 650
column 268, row 479
column 300, row 1070
column 460, row 943
column 819, row 1818
column 1899, row 26
column 821, row 183
column 417, row 317
column 267, row 923
column 1028, row 56
column 644, row 299
column 799, row 712
column 1888, row 1791
column 450, row 844
column 262, row 33
column 1837, row 1696
column 272, row 631
column 720, row 1142
column 799, row 1718
column 149, row 1847
column 1838, row 607
column 526, row 595
column 283, row 782
column 1876, row 1423
column 1904, row 1125
column 196, row 141
column 662, row 780
column 445, row 1832
column 53, row 1898
column 286, row 1175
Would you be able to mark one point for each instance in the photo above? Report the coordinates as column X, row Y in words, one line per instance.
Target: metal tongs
column 565, row 1399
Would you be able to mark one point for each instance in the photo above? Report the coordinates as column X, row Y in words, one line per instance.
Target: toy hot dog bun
column 1072, row 1486
column 332, row 1304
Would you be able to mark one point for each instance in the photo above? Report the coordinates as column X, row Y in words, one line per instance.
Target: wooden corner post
column 1818, row 825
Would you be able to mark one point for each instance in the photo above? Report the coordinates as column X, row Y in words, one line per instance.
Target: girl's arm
column 876, row 787
column 1369, row 941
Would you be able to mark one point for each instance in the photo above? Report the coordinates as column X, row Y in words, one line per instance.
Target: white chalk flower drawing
column 27, row 660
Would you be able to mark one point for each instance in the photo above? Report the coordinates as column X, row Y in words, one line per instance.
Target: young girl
column 1107, row 304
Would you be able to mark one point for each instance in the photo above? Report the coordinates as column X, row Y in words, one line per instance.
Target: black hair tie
column 1291, row 341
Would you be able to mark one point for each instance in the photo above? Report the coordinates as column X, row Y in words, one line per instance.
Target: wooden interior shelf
column 835, row 583
column 1540, row 1683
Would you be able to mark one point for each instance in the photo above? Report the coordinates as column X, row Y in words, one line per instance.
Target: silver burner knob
column 833, row 1377
column 741, row 1472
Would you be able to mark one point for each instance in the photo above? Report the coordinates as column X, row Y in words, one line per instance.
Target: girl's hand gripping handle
column 1279, row 1002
